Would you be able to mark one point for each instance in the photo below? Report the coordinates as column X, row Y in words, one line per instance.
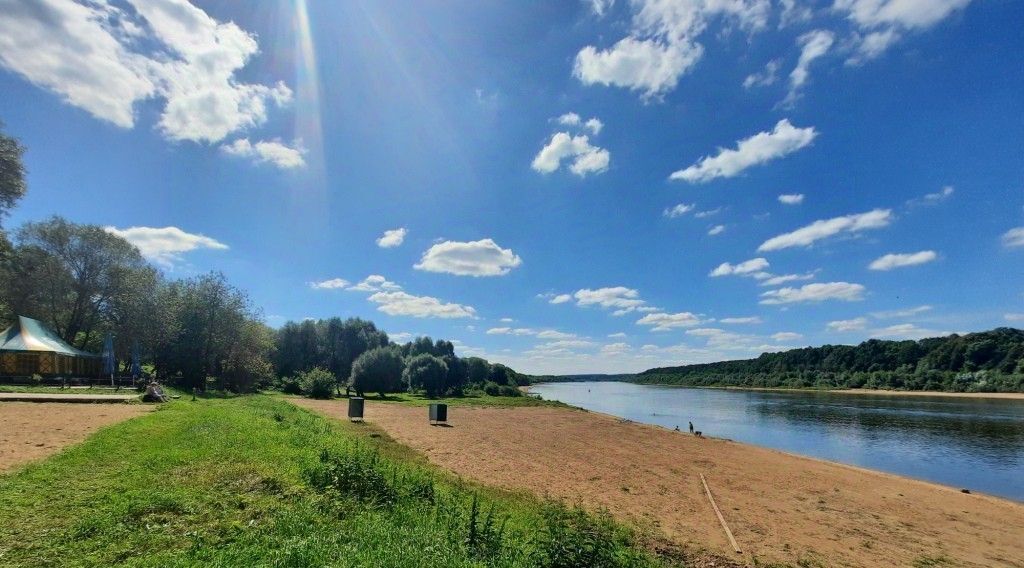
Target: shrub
column 289, row 385
column 356, row 474
column 492, row 388
column 572, row 537
column 317, row 383
column 426, row 372
column 379, row 370
column 506, row 390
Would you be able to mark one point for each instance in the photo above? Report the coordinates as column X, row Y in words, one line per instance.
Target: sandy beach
column 34, row 430
column 781, row 507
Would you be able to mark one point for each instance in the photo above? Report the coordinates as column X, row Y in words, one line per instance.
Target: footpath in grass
column 256, row 481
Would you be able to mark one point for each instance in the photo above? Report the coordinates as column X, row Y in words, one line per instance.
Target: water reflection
column 974, row 443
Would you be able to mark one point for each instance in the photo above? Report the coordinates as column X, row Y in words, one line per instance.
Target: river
column 972, row 443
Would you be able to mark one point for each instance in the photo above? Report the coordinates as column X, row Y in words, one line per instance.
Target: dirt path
column 33, row 430
column 779, row 506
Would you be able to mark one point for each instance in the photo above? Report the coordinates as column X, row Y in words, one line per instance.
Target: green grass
column 256, row 481
column 412, row 399
column 58, row 390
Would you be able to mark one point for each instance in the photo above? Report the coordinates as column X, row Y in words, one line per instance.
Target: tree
column 72, row 276
column 317, row 383
column 378, row 370
column 12, row 173
column 426, row 372
column 478, row 370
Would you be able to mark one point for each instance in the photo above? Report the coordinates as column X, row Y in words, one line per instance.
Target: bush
column 506, row 390
column 378, row 370
column 289, row 385
column 426, row 372
column 356, row 474
column 492, row 388
column 572, row 537
column 317, row 383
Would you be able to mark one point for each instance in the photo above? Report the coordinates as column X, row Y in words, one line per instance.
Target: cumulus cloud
column 1014, row 237
column 758, row 149
column 813, row 45
column 907, row 331
column 268, row 152
column 764, row 78
column 855, row 324
column 374, row 283
column 666, row 322
column 1008, row 317
column 898, row 260
column 662, row 44
column 165, row 245
column 677, row 210
column 742, row 320
column 716, row 230
column 619, row 298
column 474, row 258
column 560, row 298
column 392, row 238
column 511, row 331
column 585, row 158
column 933, row 198
column 593, row 124
column 805, row 236
column 613, row 349
column 818, row 292
column 330, row 284
column 398, row 303
column 786, row 336
column 884, row 21
column 773, row 280
column 745, row 268
column 791, row 198
column 621, row 334
column 105, row 60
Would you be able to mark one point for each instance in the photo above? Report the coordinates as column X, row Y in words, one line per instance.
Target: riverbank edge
column 886, row 474
column 868, row 392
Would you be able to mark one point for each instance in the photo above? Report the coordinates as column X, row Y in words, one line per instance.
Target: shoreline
column 867, row 392
column 781, row 506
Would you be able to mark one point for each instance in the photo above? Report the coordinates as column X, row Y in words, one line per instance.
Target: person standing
column 691, row 427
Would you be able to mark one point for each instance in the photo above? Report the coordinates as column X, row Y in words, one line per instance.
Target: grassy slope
column 225, row 483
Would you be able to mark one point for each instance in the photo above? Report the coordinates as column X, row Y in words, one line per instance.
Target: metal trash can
column 355, row 409
column 438, row 413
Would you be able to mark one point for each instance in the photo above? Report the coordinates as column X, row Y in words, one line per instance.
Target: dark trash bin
column 355, row 409
column 438, row 413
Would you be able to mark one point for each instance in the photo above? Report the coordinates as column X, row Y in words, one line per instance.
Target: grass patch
column 256, row 481
column 413, row 399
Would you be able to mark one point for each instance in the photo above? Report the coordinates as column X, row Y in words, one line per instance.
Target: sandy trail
column 33, row 430
column 780, row 507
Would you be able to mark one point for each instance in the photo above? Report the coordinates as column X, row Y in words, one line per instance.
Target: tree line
column 202, row 332
column 990, row 361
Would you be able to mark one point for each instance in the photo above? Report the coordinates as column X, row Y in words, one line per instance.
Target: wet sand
column 781, row 507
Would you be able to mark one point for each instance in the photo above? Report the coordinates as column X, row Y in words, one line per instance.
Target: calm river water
column 963, row 442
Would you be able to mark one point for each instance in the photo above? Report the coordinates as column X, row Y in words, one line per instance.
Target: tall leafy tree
column 427, row 373
column 378, row 370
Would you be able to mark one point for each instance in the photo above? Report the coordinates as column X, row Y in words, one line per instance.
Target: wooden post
column 721, row 519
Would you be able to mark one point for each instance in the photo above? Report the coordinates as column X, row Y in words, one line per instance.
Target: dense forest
column 990, row 361
column 84, row 283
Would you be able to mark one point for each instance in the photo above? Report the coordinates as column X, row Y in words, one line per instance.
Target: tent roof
column 28, row 334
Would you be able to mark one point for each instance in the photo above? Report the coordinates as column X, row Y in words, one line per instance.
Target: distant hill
column 990, row 361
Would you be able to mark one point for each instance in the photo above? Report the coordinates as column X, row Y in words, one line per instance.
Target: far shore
column 876, row 392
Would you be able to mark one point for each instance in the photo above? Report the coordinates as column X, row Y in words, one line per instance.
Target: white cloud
column 555, row 334
column 511, row 331
column 104, row 60
column 745, row 268
column 1008, row 317
column 1014, row 237
column 883, row 20
column 907, row 331
column 560, row 299
column 272, row 152
column 898, row 260
column 165, row 245
column 817, row 292
column 906, row 313
column 662, row 44
column 934, row 198
column 764, row 78
column 667, row 322
column 813, row 45
column 600, row 7
column 594, row 125
column 374, row 283
column 783, row 278
column 822, row 229
column 716, row 230
column 330, row 284
column 392, row 238
column 743, row 320
column 708, row 213
column 507, row 320
column 760, row 148
column 855, row 324
column 613, row 349
column 791, row 198
column 616, row 297
column 474, row 258
column 400, row 337
column 405, row 304
column 569, row 119
column 677, row 210
column 621, row 334
column 786, row 336
column 586, row 158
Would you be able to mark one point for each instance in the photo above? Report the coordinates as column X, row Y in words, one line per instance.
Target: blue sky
column 563, row 187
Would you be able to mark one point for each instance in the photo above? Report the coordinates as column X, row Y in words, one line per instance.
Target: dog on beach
column 698, row 434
